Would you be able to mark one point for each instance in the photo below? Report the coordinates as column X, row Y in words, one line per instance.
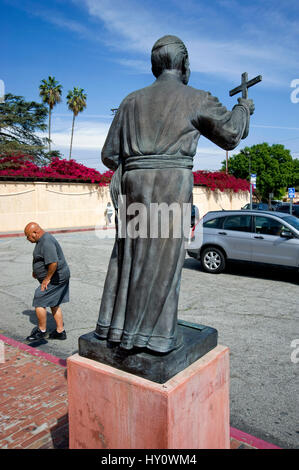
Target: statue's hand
column 248, row 103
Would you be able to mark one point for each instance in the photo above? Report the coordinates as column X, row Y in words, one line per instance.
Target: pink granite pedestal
column 112, row 409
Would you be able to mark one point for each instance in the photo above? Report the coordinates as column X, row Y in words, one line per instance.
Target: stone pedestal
column 194, row 341
column 113, row 409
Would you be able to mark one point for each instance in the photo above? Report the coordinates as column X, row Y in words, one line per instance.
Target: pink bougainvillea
column 22, row 166
column 220, row 180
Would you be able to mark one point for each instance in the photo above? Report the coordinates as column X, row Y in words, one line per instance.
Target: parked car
column 261, row 206
column 285, row 207
column 194, row 215
column 267, row 237
column 275, row 203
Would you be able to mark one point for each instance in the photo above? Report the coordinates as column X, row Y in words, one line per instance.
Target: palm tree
column 76, row 101
column 50, row 91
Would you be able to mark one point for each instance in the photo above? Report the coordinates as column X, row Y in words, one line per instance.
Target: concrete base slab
column 113, row 409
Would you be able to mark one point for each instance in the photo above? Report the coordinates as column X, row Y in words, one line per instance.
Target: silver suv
column 255, row 236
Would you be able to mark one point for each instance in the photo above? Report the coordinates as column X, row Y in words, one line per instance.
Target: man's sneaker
column 55, row 335
column 36, row 334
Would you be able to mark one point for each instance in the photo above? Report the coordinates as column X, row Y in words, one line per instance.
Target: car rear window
column 213, row 223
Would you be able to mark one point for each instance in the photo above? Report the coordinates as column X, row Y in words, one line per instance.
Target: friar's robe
column 153, row 139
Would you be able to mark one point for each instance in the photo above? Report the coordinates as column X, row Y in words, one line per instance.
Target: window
column 290, row 219
column 240, row 223
column 268, row 226
column 213, row 223
column 296, row 211
column 284, row 208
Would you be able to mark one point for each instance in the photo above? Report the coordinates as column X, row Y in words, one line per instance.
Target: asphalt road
column 255, row 312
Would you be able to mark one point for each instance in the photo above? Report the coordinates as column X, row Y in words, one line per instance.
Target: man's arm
column 51, row 270
column 224, row 128
column 50, row 256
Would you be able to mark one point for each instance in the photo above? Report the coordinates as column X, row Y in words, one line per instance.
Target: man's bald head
column 33, row 232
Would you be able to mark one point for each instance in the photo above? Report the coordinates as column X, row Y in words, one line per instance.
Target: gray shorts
column 54, row 295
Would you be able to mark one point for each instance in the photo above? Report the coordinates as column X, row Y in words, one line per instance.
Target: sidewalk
column 58, row 230
column 33, row 401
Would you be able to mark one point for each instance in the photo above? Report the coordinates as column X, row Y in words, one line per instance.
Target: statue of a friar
column 150, row 145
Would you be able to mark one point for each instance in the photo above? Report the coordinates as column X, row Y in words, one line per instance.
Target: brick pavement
column 33, row 401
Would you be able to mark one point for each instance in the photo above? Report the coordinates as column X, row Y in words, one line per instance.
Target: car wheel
column 212, row 260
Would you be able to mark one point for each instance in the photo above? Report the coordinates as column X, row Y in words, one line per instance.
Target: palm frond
column 76, row 100
column 50, row 90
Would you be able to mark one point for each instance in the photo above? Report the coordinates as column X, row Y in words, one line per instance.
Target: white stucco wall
column 67, row 205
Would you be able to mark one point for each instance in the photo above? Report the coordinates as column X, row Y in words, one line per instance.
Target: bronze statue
column 150, row 145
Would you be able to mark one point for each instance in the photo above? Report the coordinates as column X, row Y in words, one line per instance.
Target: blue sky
column 104, row 47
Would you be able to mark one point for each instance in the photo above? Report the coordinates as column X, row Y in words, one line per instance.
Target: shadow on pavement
column 51, row 325
column 35, row 344
column 60, row 433
column 251, row 270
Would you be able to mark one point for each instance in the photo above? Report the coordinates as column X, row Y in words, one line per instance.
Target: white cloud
column 142, row 66
column 225, row 59
column 130, row 24
column 85, row 116
column 224, row 50
column 87, row 135
column 213, row 150
column 224, row 37
column 258, row 37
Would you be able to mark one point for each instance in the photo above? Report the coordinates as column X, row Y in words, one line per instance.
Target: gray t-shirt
column 47, row 251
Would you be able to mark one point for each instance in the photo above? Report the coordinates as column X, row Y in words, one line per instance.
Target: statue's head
column 170, row 53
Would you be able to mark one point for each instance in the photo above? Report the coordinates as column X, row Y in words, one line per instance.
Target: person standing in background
column 108, row 214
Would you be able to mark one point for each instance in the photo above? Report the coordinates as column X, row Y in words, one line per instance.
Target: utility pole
column 248, row 155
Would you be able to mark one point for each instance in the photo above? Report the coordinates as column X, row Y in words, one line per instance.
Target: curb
column 63, row 230
column 251, row 440
column 34, row 352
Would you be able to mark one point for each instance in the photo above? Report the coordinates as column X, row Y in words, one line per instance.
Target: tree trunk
column 72, row 136
column 49, row 129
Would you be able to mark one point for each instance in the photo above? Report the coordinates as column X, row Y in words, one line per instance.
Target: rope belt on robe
column 150, row 162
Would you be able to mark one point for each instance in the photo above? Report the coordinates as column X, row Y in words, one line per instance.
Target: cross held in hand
column 245, row 84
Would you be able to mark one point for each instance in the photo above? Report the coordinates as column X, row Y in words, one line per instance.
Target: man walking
column 51, row 270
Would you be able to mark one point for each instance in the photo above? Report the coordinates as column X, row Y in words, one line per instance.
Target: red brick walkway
column 33, row 401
